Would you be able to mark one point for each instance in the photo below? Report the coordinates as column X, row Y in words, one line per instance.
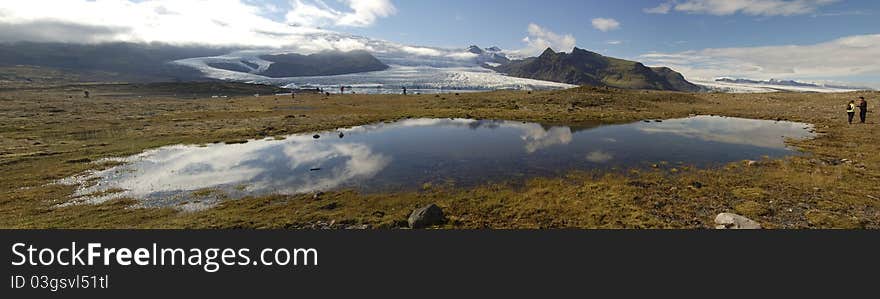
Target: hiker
column 341, row 89
column 851, row 110
column 404, row 90
column 86, row 93
column 292, row 95
column 863, row 109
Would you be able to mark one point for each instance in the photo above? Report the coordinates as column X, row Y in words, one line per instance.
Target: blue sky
column 819, row 40
column 458, row 23
column 645, row 27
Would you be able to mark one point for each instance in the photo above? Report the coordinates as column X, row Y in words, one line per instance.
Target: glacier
column 729, row 87
column 419, row 69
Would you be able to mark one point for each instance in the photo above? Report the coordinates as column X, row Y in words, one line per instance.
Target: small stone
column 751, row 163
column 330, row 206
column 425, row 216
column 317, row 195
column 734, row 221
column 697, row 185
column 316, row 136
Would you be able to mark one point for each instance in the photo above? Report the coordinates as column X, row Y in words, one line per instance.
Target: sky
column 814, row 40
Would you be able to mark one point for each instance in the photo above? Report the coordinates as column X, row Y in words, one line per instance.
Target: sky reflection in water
column 406, row 154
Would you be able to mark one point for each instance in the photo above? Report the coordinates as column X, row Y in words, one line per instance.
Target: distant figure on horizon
column 292, row 95
column 342, row 90
column 851, row 110
column 404, row 90
column 86, row 93
column 863, row 109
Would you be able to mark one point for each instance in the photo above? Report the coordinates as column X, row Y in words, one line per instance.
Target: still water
column 407, row 154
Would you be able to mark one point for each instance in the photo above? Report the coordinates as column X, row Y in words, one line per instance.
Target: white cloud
column 663, row 8
column 540, row 39
column 614, row 42
column 747, row 7
column 538, row 138
column 844, row 57
column 606, row 24
column 316, row 13
column 206, row 22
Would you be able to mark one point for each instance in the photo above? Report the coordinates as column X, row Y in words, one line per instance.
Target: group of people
column 863, row 110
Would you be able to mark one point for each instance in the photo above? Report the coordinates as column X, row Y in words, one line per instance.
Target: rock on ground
column 734, row 221
column 426, row 216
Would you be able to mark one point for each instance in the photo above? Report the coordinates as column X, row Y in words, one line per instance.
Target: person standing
column 863, row 109
column 851, row 110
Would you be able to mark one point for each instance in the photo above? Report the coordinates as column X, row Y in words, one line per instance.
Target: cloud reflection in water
column 408, row 153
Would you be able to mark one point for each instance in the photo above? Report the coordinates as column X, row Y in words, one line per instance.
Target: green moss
column 826, row 219
column 751, row 209
column 752, row 193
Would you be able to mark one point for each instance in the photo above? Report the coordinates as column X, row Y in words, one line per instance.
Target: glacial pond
column 405, row 155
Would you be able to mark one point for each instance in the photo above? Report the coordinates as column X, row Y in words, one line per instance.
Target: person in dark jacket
column 851, row 110
column 863, row 109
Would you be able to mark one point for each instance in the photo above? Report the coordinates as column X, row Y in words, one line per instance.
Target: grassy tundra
column 51, row 133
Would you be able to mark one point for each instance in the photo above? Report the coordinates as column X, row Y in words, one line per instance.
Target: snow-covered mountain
column 772, row 85
column 492, row 56
column 416, row 68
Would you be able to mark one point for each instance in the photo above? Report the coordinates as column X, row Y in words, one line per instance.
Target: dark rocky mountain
column 134, row 62
column 321, row 64
column 582, row 67
column 110, row 61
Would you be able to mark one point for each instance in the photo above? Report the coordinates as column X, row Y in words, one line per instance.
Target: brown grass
column 45, row 135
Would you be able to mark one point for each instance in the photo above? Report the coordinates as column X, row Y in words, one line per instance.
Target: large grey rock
column 734, row 221
column 425, row 216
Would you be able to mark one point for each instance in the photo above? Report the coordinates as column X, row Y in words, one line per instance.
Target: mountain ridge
column 794, row 83
column 328, row 63
column 582, row 67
